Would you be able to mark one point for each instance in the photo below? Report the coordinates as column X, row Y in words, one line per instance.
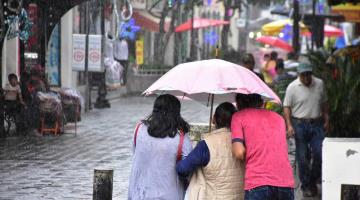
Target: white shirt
column 121, row 50
column 109, row 49
column 305, row 102
column 12, row 92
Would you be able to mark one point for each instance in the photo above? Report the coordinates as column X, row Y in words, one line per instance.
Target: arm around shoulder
column 199, row 157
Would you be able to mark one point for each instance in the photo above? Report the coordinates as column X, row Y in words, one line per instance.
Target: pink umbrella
column 275, row 42
column 212, row 80
column 329, row 31
column 200, row 23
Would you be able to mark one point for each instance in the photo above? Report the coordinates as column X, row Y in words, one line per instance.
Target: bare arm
column 238, row 150
column 21, row 99
column 287, row 115
column 20, row 96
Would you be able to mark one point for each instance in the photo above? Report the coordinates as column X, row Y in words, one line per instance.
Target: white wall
column 341, row 165
column 10, row 61
column 68, row 77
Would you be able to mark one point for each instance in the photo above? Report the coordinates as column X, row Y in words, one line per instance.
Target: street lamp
column 258, row 34
column 251, row 35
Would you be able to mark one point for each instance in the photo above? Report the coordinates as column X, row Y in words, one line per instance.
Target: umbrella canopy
column 198, row 80
column 200, row 23
column 275, row 42
column 276, row 27
column 210, row 80
column 329, row 31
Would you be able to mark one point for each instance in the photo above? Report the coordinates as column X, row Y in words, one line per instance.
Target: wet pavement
column 62, row 167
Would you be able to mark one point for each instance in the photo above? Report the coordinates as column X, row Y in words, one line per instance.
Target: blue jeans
column 269, row 193
column 308, row 138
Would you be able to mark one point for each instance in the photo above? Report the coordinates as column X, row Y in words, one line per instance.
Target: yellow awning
column 275, row 27
column 346, row 6
column 350, row 11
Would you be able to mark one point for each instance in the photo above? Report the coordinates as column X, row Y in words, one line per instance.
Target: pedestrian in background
column 259, row 138
column 248, row 61
column 291, row 63
column 159, row 142
column 306, row 114
column 281, row 74
column 12, row 91
column 121, row 54
column 218, row 174
column 266, row 58
column 269, row 68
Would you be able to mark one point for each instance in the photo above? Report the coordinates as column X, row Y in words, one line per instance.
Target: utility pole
column 193, row 52
column 87, row 27
column 101, row 101
column 313, row 16
column 296, row 18
column 3, row 30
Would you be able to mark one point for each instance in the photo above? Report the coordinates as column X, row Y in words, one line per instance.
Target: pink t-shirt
column 263, row 133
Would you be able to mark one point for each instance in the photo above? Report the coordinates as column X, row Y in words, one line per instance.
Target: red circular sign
column 79, row 56
column 94, row 56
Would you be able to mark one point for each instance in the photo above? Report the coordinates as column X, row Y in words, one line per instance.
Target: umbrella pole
column 211, row 111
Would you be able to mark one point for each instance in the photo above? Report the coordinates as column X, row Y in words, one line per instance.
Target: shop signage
column 78, row 54
column 140, row 52
column 94, row 53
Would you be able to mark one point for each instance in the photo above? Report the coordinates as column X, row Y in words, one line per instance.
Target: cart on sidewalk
column 71, row 102
column 51, row 113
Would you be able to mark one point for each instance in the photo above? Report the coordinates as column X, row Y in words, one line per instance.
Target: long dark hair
column 248, row 101
column 165, row 119
column 223, row 114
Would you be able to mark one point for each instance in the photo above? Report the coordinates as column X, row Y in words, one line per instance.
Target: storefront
column 351, row 12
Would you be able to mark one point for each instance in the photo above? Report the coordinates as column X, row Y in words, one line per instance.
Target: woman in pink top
column 259, row 138
column 269, row 68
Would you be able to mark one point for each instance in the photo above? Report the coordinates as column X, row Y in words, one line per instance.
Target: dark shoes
column 310, row 191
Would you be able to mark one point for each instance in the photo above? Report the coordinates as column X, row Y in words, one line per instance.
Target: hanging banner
column 140, row 51
column 94, row 53
column 78, row 54
column 53, row 58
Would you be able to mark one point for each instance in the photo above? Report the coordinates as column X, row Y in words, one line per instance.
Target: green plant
column 342, row 83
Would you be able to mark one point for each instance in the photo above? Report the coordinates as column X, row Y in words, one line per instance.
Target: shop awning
column 148, row 22
column 350, row 11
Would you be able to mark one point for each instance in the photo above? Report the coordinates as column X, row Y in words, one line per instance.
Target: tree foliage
column 342, row 85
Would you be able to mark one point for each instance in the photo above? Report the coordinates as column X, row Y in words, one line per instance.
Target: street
column 62, row 167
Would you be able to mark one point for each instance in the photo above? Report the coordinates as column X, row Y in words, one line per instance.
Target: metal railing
column 151, row 72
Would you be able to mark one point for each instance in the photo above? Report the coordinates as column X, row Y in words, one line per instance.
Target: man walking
column 262, row 135
column 121, row 54
column 306, row 114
